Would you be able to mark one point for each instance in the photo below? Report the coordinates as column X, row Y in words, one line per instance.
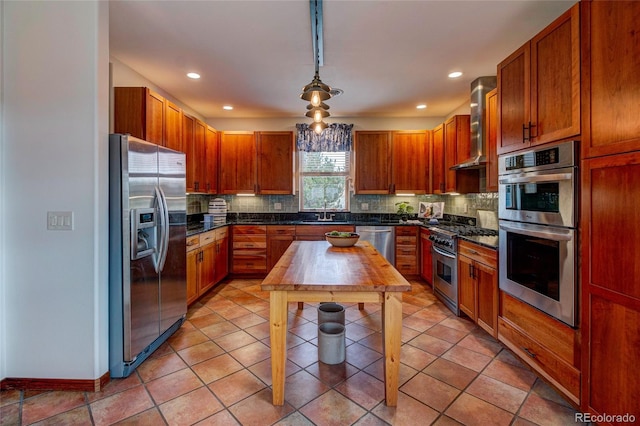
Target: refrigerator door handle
column 164, row 229
column 158, row 263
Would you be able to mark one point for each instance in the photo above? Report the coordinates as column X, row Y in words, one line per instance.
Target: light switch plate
column 364, row 206
column 277, row 206
column 60, row 221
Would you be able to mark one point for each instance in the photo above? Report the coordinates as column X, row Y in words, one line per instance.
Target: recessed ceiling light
column 421, row 106
column 193, row 75
column 455, row 74
column 227, row 107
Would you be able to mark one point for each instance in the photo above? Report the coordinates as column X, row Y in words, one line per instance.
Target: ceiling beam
column 315, row 7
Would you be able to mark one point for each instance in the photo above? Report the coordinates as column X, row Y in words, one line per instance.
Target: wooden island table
column 315, row 271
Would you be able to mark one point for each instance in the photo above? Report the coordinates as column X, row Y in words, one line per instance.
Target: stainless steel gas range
column 444, row 251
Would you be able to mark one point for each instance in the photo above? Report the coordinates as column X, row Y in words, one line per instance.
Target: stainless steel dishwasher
column 380, row 237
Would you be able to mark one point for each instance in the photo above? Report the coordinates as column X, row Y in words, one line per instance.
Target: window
column 324, row 180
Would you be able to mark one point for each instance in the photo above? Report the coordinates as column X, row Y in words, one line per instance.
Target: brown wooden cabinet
column 210, row 174
column 256, row 163
column 195, row 134
column 193, row 262
column 222, row 254
column 437, row 164
column 426, row 260
column 410, row 161
column 609, row 232
column 372, row 162
column 491, row 140
column 146, row 115
column 279, row 238
column 611, row 289
column 548, row 346
column 172, row 129
column 207, row 257
column 539, row 87
column 457, row 148
column 139, row 111
column 237, row 163
column 389, row 162
column 406, row 248
column 478, row 285
column 275, row 162
column 610, row 60
column 249, row 252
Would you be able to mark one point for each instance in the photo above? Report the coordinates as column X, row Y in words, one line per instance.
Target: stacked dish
column 218, row 209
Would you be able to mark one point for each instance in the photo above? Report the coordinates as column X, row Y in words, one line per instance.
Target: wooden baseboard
column 80, row 385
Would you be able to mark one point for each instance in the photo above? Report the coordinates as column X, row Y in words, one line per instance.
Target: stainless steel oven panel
column 510, row 194
column 566, row 158
column 565, row 309
column 446, row 291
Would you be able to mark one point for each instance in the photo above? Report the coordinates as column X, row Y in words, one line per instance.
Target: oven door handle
column 537, row 178
column 442, row 253
column 555, row 236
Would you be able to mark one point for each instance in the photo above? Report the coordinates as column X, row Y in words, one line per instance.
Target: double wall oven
column 538, row 228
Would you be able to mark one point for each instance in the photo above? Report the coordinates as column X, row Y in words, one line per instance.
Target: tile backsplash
column 461, row 205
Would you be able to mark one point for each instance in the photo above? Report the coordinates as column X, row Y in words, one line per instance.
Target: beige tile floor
column 215, row 370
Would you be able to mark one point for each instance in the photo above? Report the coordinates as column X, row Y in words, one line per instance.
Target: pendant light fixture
column 316, row 92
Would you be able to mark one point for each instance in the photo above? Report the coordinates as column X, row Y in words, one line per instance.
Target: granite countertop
column 483, row 240
column 197, row 228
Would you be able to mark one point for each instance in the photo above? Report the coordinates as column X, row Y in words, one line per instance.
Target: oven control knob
column 448, row 243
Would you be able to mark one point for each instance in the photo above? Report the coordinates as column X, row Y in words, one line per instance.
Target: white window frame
column 348, row 179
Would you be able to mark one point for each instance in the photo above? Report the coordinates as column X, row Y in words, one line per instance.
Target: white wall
column 54, row 157
column 125, row 76
column 3, row 309
column 359, row 123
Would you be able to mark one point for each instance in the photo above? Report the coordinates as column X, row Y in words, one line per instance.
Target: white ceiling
column 387, row 55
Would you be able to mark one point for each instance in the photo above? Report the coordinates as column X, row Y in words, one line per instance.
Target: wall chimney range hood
column 479, row 88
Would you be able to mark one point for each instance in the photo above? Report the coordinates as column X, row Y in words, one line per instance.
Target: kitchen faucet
column 323, row 217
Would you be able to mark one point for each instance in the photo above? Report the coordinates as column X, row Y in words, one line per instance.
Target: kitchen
column 77, row 92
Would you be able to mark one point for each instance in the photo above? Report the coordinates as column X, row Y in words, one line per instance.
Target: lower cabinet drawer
column 407, row 264
column 540, row 358
column 249, row 264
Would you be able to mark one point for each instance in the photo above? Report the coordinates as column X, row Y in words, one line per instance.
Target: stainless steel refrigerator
column 147, row 249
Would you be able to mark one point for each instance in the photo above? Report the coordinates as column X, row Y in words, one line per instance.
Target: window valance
column 336, row 137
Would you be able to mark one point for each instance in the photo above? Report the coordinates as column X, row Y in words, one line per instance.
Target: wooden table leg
column 392, row 335
column 360, row 306
column 278, row 332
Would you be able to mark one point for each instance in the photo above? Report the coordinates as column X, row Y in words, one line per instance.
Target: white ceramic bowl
column 342, row 241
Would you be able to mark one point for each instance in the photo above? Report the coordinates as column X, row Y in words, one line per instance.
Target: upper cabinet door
column 491, row 138
column 457, row 141
column 373, row 162
column 513, row 100
column 275, row 162
column 237, row 163
column 410, row 165
column 555, row 80
column 173, row 127
column 437, row 178
column 539, row 87
column 610, row 77
column 154, row 128
column 210, row 174
column 139, row 112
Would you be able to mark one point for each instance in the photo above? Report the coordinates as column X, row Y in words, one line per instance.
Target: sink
column 325, row 222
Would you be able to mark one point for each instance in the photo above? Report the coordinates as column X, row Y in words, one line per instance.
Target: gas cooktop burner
column 466, row 230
